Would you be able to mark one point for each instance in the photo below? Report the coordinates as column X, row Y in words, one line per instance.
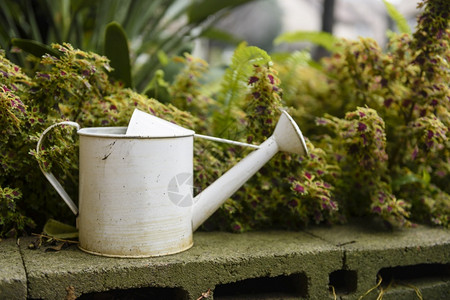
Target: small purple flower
column 333, row 204
column 321, row 121
column 63, row 73
column 43, row 75
column 434, row 102
column 361, row 114
column 364, row 138
column 376, row 209
column 388, row 102
column 414, row 153
column 256, row 95
column 271, row 78
column 253, row 79
column 298, row 188
column 308, row 175
column 430, row 134
column 362, row 126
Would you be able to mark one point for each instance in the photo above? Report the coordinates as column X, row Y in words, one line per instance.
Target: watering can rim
column 119, row 132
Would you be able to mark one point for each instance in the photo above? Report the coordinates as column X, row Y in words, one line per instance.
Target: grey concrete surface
column 409, row 257
column 255, row 265
column 13, row 281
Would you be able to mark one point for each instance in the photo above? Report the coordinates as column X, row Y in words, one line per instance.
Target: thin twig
column 56, row 239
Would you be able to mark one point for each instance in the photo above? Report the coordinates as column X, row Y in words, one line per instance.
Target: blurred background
column 261, row 21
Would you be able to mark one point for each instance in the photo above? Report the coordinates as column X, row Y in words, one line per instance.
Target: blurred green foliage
column 149, row 28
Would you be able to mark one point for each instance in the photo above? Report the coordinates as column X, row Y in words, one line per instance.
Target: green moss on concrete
column 216, row 258
column 13, row 281
column 220, row 259
column 368, row 249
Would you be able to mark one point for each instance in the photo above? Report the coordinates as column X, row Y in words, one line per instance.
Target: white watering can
column 136, row 184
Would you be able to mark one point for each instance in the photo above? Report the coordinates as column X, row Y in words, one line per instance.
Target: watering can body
column 136, row 184
column 135, row 193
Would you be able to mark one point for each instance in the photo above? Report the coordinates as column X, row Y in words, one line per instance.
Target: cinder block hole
column 285, row 287
column 414, row 274
column 343, row 281
column 154, row 293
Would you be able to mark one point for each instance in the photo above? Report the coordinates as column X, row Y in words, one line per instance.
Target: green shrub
column 74, row 87
column 387, row 119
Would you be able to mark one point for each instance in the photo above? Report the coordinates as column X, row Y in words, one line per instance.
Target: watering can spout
column 286, row 137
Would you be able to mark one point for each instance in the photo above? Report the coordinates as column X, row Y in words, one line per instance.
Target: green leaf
column 60, row 230
column 406, row 179
column 158, row 88
column 426, row 178
column 220, row 35
column 116, row 49
column 399, row 19
column 200, row 10
column 324, row 39
column 36, row 48
column 163, row 58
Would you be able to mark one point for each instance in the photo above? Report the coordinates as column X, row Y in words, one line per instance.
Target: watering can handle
column 50, row 177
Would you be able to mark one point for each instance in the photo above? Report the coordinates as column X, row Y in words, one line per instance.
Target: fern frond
column 399, row 19
column 293, row 62
column 236, row 76
column 324, row 39
column 235, row 81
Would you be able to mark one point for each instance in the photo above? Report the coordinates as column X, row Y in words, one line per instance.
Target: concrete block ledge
column 254, row 265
